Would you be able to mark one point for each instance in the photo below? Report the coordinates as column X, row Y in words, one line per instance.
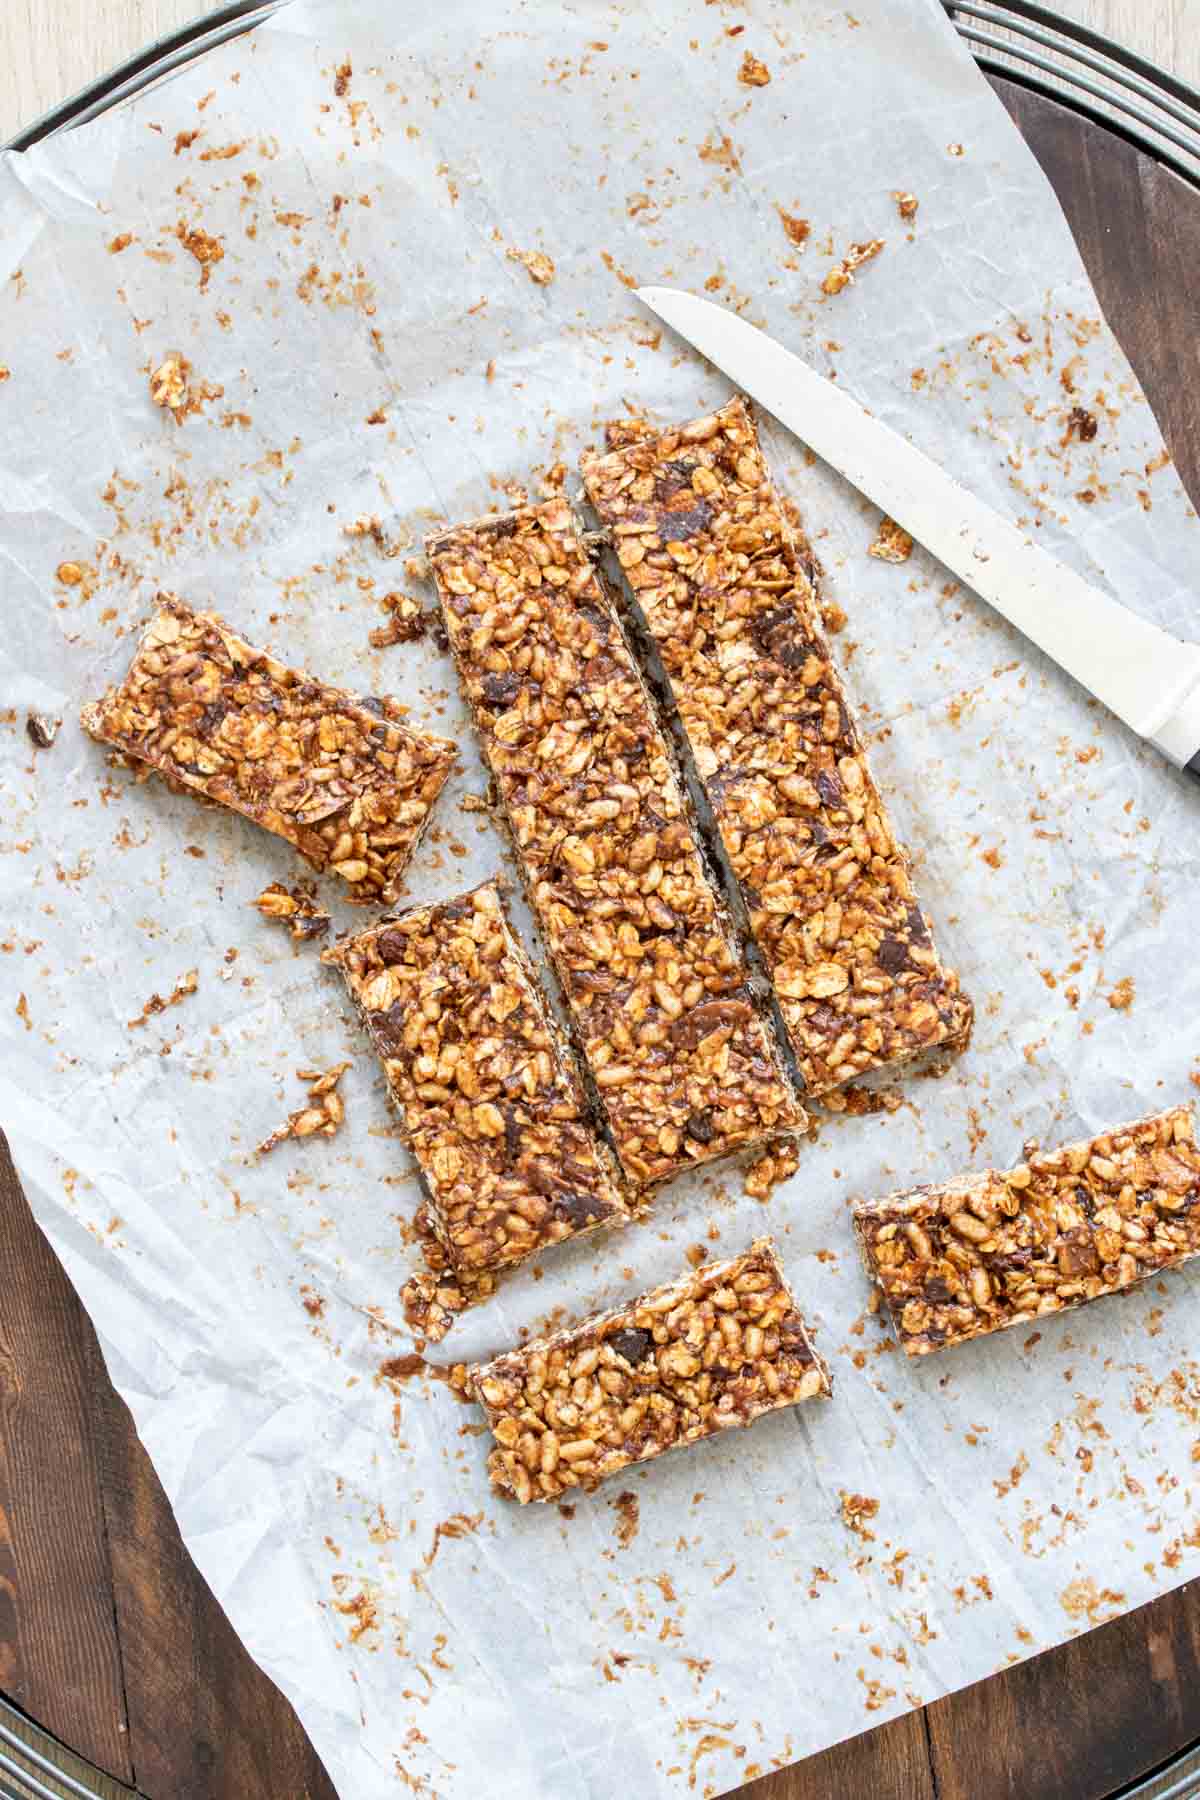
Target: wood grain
column 203, row 1719
column 59, row 1655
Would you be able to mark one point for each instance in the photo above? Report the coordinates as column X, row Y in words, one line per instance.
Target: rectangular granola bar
column 488, row 1094
column 992, row 1250
column 715, row 1349
column 342, row 779
column 684, row 1063
column 720, row 583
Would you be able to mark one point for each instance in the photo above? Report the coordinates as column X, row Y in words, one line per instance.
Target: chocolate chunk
column 673, row 478
column 892, row 955
column 211, row 718
column 501, row 690
column 388, row 1028
column 632, row 1344
column 391, row 946
column 829, row 787
column 578, row 1209
column 1077, row 1252
column 42, row 729
column 688, row 1030
column 918, row 930
column 512, row 1138
column 700, row 1127
column 685, row 522
column 938, row 1290
column 310, row 925
column 778, row 634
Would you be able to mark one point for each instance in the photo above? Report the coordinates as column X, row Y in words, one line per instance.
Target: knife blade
column 1148, row 678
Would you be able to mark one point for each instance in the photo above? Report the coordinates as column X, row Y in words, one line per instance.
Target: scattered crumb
column 42, row 729
column 892, row 543
column 207, row 250
column 172, row 389
column 121, row 242
column 540, row 267
column 1121, row 996
column 955, row 150
column 797, row 230
column 295, row 908
column 324, row 1114
column 833, row 617
column 22, row 1011
column 906, row 204
column 856, row 1510
column 776, row 1164
column 408, row 621
column 626, row 1506
column 842, row 274
column 753, row 73
column 187, row 984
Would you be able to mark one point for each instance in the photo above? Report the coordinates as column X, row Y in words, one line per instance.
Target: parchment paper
column 1027, row 1487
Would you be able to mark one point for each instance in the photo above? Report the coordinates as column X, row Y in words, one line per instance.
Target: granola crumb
column 187, row 984
column 626, row 1508
column 842, row 274
column 833, row 617
column 322, row 1117
column 776, row 1164
column 207, row 250
column 753, row 72
column 906, row 204
column 892, row 543
column 121, row 242
column 408, row 621
column 955, row 150
column 540, row 267
column 42, row 729
column 1122, row 995
column 295, row 908
column 173, row 389
column 856, row 1510
column 797, row 230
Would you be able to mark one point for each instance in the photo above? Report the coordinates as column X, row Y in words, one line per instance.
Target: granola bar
column 715, row 1349
column 489, row 1098
column 683, row 1061
column 343, row 779
column 720, row 584
column 992, row 1250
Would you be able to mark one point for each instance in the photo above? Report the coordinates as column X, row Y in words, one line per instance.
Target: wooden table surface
column 110, row 1638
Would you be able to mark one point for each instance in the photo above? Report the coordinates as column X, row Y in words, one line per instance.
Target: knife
column 1150, row 679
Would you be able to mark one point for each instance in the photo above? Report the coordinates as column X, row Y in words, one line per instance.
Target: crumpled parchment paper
column 364, row 170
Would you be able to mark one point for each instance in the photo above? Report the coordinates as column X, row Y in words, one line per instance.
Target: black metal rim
column 1056, row 58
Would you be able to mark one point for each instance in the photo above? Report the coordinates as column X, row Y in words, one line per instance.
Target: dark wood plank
column 59, row 1655
column 1138, row 228
column 205, row 1722
column 1081, row 1721
column 889, row 1763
